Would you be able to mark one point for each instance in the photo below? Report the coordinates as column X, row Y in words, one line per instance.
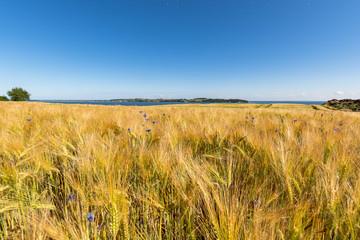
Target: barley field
column 178, row 172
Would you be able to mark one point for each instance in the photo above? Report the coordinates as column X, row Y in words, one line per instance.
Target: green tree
column 3, row 98
column 18, row 94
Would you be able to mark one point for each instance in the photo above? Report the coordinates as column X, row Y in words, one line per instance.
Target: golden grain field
column 203, row 172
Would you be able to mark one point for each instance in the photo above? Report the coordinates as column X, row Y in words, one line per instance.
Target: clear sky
column 249, row 49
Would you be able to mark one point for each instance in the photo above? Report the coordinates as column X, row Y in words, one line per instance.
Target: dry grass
column 202, row 172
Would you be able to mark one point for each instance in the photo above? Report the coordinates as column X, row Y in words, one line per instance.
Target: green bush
column 3, row 98
column 352, row 106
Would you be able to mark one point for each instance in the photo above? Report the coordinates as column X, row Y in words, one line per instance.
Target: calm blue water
column 115, row 103
column 168, row 103
column 292, row 102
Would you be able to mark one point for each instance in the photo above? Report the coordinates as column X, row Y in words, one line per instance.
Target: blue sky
column 250, row 49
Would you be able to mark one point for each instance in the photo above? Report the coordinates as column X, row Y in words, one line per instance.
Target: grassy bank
column 202, row 172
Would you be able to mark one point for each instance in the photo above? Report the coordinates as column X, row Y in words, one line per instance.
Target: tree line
column 16, row 94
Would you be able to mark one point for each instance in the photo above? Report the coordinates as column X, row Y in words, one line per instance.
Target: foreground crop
column 95, row 172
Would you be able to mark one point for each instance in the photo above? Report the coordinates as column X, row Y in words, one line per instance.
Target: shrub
column 3, row 98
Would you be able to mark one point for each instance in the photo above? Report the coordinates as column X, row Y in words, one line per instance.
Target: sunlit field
column 219, row 171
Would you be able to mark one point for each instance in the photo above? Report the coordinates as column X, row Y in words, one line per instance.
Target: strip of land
column 344, row 104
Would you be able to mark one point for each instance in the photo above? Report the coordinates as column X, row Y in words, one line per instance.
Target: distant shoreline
column 153, row 103
column 179, row 100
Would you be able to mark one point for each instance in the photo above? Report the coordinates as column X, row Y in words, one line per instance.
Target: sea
column 169, row 103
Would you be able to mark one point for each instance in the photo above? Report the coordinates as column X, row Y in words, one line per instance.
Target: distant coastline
column 193, row 100
column 160, row 100
column 155, row 102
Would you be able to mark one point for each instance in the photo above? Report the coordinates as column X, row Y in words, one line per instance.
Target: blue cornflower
column 276, row 130
column 148, row 130
column 28, row 119
column 70, row 197
column 145, row 115
column 128, row 129
column 141, row 222
column 322, row 115
column 341, row 124
column 90, row 217
column 163, row 114
column 252, row 118
column 141, row 111
column 295, row 121
column 336, row 129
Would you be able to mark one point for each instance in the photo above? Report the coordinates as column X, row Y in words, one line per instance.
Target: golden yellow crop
column 181, row 172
